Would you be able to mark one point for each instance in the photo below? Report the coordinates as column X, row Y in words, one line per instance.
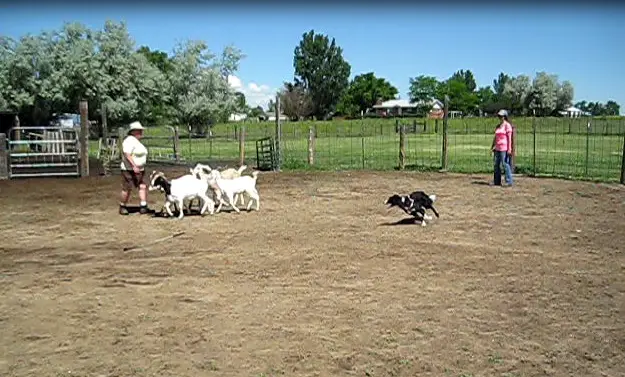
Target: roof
column 403, row 103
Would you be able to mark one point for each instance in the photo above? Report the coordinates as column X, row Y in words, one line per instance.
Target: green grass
column 584, row 153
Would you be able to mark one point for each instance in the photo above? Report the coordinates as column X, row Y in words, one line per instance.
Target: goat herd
column 228, row 184
column 232, row 186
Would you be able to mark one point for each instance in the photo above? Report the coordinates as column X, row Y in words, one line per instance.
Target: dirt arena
column 523, row 281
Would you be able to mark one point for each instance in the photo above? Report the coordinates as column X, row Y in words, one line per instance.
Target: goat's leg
column 253, row 196
column 168, row 208
column 231, row 202
column 204, row 199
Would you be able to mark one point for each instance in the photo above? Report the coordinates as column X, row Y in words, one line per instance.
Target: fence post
column 176, row 144
column 121, row 134
column 105, row 128
column 587, row 148
column 623, row 162
column 242, row 145
column 534, row 142
column 445, row 126
column 311, row 145
column 402, row 147
column 4, row 157
column 84, row 139
column 278, row 134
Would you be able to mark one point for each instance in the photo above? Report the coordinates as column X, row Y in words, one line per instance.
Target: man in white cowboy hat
column 134, row 157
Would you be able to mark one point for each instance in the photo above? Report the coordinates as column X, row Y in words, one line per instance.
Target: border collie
column 414, row 204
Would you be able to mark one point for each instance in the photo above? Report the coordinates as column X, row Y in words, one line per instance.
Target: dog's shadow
column 481, row 183
column 405, row 221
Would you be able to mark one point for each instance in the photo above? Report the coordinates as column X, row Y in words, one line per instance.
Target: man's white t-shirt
column 134, row 148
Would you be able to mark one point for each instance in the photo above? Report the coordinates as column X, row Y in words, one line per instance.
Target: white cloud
column 255, row 94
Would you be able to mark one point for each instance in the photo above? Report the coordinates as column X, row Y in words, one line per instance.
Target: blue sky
column 399, row 42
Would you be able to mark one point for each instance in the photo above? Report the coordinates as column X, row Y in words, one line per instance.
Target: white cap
column 135, row 126
column 502, row 113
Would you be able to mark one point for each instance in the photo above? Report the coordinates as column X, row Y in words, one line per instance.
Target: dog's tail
column 255, row 174
column 243, row 167
column 434, row 210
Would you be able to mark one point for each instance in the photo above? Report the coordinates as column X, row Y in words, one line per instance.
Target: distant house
column 237, row 117
column 573, row 112
column 271, row 117
column 399, row 107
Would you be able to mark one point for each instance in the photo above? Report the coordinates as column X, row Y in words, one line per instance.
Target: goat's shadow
column 193, row 212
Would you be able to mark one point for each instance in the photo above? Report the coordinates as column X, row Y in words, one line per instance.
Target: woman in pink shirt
column 502, row 148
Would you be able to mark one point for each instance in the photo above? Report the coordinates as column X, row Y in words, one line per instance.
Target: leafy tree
column 200, row 93
column 271, row 106
column 363, row 92
column 240, row 102
column 518, row 91
column 612, row 108
column 295, row 101
column 460, row 97
column 423, row 89
column 543, row 97
column 257, row 112
column 321, row 70
column 467, row 78
column 157, row 58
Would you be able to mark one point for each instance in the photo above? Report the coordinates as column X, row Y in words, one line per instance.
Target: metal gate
column 43, row 152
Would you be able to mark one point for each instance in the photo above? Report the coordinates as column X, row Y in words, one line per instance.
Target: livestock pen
column 507, row 282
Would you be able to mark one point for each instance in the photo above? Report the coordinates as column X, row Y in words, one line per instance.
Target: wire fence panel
column 578, row 148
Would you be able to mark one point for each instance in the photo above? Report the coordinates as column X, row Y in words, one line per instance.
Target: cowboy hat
column 135, row 126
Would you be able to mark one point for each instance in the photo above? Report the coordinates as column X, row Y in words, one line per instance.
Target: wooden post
column 311, row 145
column 278, row 149
column 105, row 128
column 242, row 145
column 513, row 149
column 84, row 139
column 4, row 157
column 402, row 147
column 623, row 162
column 121, row 134
column 176, row 143
column 445, row 125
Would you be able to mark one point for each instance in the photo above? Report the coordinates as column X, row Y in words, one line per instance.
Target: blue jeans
column 502, row 158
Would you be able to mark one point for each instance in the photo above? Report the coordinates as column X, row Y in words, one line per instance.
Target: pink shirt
column 503, row 138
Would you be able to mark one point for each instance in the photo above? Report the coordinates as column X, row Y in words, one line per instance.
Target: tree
column 543, row 97
column 466, row 77
column 517, row 91
column 321, row 70
column 240, row 102
column 200, row 93
column 157, row 58
column 363, row 92
column 423, row 89
column 295, row 101
column 271, row 106
column 612, row 108
column 487, row 99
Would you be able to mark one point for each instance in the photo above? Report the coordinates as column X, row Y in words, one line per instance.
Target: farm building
column 399, row 107
column 574, row 112
column 237, row 117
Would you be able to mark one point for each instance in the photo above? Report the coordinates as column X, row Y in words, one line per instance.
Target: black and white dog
column 414, row 204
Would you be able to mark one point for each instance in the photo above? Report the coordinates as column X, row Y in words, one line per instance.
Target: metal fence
column 578, row 148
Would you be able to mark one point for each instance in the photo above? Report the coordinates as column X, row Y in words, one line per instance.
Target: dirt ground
column 523, row 281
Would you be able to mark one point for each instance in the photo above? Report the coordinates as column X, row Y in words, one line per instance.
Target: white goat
column 229, row 173
column 231, row 187
column 185, row 187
